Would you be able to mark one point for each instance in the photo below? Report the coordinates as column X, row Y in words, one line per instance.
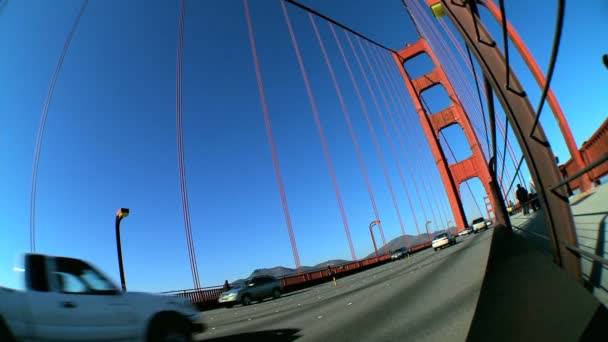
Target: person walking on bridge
column 522, row 197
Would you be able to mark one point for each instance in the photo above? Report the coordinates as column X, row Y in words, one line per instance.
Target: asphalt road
column 429, row 297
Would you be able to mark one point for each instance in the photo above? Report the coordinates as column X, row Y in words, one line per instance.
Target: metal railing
column 593, row 149
column 210, row 295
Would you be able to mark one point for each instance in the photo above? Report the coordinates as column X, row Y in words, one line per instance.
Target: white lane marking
column 349, row 304
column 319, row 317
column 249, row 319
column 299, row 304
column 213, row 328
column 276, row 310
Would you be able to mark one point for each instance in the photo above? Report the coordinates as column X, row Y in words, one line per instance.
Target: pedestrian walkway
column 590, row 217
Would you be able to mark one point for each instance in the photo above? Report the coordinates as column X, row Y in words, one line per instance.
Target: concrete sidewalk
column 591, row 217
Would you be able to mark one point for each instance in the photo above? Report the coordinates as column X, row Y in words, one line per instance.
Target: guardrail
column 591, row 151
column 208, row 296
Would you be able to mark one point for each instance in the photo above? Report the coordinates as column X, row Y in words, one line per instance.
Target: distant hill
column 396, row 243
column 280, row 271
column 399, row 242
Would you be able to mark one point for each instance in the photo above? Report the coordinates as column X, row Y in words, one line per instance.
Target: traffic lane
column 388, row 305
column 306, row 296
column 220, row 317
column 250, row 314
column 309, row 294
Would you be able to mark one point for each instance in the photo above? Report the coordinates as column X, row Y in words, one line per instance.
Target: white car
column 465, row 231
column 66, row 299
column 479, row 224
column 443, row 240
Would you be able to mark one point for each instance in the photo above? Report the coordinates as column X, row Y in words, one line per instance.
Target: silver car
column 256, row 288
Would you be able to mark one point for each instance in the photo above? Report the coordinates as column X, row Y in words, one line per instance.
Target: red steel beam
column 541, row 80
column 538, row 154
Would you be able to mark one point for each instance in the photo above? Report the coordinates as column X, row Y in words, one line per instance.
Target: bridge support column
column 432, row 123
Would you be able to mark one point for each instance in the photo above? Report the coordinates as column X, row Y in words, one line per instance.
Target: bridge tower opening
column 455, row 173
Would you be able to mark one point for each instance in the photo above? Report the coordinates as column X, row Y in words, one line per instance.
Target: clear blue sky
column 110, row 135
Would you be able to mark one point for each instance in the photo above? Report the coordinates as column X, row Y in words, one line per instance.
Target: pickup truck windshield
column 478, row 220
column 75, row 276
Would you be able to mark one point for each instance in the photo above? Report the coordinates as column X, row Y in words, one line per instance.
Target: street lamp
column 120, row 214
column 427, row 230
column 371, row 225
column 449, row 225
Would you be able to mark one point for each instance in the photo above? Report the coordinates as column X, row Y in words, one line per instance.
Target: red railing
column 210, row 295
column 591, row 150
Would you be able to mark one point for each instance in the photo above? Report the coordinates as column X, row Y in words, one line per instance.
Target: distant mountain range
column 399, row 242
column 394, row 244
column 280, row 271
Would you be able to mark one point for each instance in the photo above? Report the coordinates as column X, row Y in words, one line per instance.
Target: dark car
column 257, row 288
column 399, row 254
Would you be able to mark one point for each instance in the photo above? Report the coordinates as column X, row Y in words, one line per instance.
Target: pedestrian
column 522, row 197
column 226, row 286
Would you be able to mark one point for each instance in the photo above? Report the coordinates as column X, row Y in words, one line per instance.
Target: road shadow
column 276, row 335
column 595, row 276
column 524, row 295
column 592, row 214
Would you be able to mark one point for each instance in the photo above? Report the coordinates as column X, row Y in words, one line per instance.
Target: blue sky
column 110, row 135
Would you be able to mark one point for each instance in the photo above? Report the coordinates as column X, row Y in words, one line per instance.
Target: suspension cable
column 42, row 125
column 432, row 30
column 554, row 50
column 348, row 120
column 271, row 142
column 382, row 120
column 399, row 138
column 317, row 119
column 393, row 93
column 467, row 86
column 180, row 148
column 335, row 22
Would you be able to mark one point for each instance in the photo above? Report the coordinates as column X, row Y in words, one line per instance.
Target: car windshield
column 237, row 285
column 478, row 220
column 441, row 236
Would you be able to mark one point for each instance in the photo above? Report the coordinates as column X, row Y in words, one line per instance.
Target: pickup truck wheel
column 276, row 293
column 171, row 330
column 246, row 300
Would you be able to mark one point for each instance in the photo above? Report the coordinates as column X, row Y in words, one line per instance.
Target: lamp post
column 449, row 225
column 120, row 214
column 371, row 225
column 427, row 230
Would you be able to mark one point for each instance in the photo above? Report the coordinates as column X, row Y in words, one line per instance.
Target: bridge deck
column 431, row 296
column 444, row 295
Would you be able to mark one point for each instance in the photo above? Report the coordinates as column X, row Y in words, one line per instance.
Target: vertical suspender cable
column 399, row 139
column 315, row 112
column 180, row 148
column 348, row 120
column 393, row 96
column 364, row 109
column 271, row 142
column 42, row 125
column 384, row 126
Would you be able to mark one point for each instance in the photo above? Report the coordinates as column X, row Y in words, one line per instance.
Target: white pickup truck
column 478, row 224
column 66, row 299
